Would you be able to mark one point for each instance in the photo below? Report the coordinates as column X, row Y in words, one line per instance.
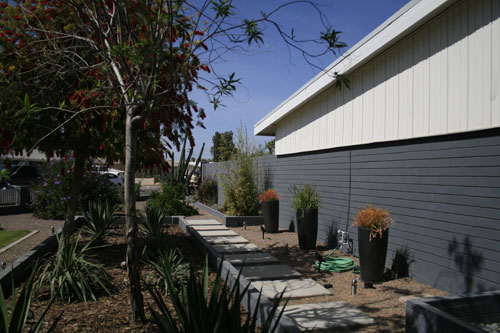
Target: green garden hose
column 335, row 264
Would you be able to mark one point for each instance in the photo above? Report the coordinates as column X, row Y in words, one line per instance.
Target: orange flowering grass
column 269, row 195
column 376, row 219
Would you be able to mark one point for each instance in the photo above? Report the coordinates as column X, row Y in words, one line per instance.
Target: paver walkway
column 268, row 275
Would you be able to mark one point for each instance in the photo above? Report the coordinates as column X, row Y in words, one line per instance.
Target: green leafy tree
column 78, row 67
column 223, row 146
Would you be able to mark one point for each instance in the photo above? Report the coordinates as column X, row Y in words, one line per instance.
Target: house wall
column 441, row 79
column 443, row 192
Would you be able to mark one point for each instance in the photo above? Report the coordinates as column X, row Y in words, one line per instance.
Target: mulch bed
column 112, row 313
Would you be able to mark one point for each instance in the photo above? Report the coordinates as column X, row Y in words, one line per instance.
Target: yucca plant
column 98, row 217
column 197, row 312
column 20, row 308
column 167, row 262
column 151, row 220
column 71, row 275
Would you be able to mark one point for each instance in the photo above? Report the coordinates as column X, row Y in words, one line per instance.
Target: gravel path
column 26, row 222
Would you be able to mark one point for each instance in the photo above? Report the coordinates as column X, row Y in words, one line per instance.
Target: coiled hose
column 336, row 264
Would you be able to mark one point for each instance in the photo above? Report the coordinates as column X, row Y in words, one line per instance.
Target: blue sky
column 271, row 74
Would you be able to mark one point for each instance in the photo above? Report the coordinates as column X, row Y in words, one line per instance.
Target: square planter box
column 454, row 313
column 231, row 221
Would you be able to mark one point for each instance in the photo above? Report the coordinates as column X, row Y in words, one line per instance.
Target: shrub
column 207, row 191
column 172, row 201
column 97, row 220
column 240, row 181
column 53, row 191
column 167, row 261
column 199, row 310
column 269, row 195
column 306, row 198
column 70, row 275
column 376, row 219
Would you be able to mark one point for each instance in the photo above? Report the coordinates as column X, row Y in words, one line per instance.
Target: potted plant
column 269, row 201
column 306, row 203
column 373, row 234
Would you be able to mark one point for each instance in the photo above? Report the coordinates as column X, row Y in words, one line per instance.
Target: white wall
column 443, row 78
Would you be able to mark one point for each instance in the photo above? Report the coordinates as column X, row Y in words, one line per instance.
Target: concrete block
column 294, row 288
column 209, row 227
column 227, row 240
column 217, row 233
column 236, row 248
column 202, row 222
column 251, row 259
column 331, row 315
column 269, row 272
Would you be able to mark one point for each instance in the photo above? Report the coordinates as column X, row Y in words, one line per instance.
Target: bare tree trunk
column 133, row 268
column 76, row 189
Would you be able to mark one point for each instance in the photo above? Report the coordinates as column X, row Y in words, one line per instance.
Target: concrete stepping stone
column 236, row 248
column 217, row 233
column 227, row 240
column 269, row 272
column 203, row 222
column 251, row 259
column 209, row 227
column 331, row 315
column 294, row 288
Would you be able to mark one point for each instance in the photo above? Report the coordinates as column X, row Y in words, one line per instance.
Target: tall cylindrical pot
column 372, row 255
column 307, row 228
column 271, row 214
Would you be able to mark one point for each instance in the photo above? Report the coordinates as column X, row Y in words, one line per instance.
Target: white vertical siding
column 495, row 65
column 443, row 78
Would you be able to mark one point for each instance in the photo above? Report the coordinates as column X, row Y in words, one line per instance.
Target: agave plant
column 70, row 275
column 167, row 262
column 98, row 218
column 197, row 312
column 20, row 308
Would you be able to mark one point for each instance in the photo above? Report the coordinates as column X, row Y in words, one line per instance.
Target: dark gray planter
column 307, row 228
column 271, row 214
column 372, row 255
column 460, row 313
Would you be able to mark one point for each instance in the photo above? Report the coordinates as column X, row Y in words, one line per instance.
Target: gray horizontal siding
column 443, row 192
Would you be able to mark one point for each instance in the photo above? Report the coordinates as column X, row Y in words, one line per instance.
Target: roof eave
column 392, row 30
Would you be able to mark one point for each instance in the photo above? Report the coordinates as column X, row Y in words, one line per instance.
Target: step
column 331, row 315
column 217, row 233
column 294, row 288
column 269, row 272
column 227, row 240
column 236, row 248
column 251, row 259
column 209, row 227
column 203, row 222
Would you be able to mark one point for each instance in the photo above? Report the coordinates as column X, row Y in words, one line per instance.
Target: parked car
column 24, row 175
column 115, row 178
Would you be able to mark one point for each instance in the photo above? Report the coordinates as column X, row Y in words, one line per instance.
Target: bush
column 172, row 201
column 70, row 275
column 207, row 191
column 269, row 195
column 53, row 191
column 240, row 181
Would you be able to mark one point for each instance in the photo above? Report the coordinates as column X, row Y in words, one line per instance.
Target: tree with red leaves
column 89, row 73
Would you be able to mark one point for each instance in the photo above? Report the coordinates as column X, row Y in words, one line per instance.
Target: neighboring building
column 418, row 133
